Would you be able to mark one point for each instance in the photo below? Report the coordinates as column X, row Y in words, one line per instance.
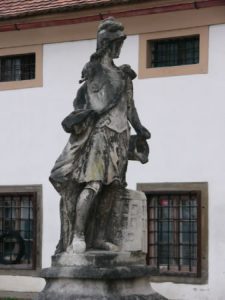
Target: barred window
column 175, row 51
column 177, row 231
column 17, row 229
column 174, row 232
column 17, row 67
column 20, row 229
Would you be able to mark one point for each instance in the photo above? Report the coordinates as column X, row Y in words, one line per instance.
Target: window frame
column 37, row 256
column 29, row 83
column 200, row 68
column 17, row 67
column 202, row 188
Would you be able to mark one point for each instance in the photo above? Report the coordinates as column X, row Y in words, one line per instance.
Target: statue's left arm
column 132, row 112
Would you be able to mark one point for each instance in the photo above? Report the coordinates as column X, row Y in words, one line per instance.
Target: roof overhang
column 141, row 9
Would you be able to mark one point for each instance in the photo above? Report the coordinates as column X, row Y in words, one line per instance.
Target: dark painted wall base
column 17, row 295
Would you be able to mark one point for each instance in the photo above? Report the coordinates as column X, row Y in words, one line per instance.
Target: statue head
column 110, row 35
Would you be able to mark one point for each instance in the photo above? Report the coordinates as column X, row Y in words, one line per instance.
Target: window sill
column 178, row 278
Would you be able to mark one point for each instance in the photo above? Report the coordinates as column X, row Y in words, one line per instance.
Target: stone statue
column 96, row 155
column 97, row 211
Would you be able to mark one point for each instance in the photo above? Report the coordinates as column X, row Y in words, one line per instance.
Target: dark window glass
column 173, row 52
column 17, row 230
column 174, row 232
column 17, row 67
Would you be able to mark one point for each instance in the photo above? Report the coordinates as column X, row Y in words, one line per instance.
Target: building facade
column 178, row 50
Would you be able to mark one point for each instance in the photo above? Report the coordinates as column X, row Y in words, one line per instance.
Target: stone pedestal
column 98, row 275
column 107, row 275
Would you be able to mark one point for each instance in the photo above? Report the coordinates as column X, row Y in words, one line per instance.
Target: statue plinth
column 107, row 275
column 98, row 259
column 113, row 282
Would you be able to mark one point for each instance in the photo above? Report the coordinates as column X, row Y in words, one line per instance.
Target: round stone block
column 93, row 283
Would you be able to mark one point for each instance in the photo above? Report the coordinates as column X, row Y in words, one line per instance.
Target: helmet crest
column 109, row 30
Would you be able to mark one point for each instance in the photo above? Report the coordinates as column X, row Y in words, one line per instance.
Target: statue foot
column 103, row 245
column 78, row 245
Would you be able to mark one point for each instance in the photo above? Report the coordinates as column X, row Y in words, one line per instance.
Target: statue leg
column 103, row 239
column 84, row 203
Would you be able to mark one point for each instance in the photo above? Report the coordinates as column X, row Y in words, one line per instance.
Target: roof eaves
column 67, row 8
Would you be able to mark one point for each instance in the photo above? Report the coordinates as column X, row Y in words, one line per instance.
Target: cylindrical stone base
column 85, row 283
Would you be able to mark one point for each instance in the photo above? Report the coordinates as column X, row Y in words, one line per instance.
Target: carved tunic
column 98, row 146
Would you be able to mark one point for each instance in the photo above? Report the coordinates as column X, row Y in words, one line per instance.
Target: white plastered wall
column 185, row 115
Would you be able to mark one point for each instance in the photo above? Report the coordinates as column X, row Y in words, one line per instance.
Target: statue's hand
column 142, row 131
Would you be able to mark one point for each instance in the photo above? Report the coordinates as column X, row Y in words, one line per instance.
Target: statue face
column 116, row 48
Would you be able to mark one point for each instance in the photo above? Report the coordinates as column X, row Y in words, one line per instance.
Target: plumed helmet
column 109, row 30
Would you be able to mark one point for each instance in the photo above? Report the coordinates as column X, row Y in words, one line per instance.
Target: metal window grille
column 17, row 67
column 174, row 226
column 17, row 229
column 173, row 51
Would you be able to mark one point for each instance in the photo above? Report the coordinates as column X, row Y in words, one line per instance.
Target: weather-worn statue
column 100, row 144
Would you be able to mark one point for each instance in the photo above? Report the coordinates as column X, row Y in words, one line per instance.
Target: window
column 177, row 240
column 172, row 53
column 21, row 67
column 17, row 67
column 174, row 230
column 20, row 228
